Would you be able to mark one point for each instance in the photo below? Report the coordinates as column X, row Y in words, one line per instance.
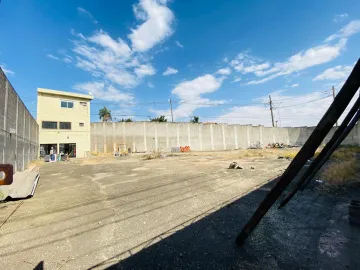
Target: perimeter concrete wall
column 19, row 132
column 151, row 136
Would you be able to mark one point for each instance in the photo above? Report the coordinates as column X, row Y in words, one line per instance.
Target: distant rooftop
column 63, row 93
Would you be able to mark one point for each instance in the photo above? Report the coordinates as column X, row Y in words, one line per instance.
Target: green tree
column 125, row 120
column 160, row 118
column 195, row 119
column 105, row 114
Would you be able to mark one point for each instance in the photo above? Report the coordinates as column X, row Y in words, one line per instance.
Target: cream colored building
column 64, row 122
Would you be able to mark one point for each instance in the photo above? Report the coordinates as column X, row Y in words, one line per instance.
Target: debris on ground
column 234, row 165
column 281, row 145
column 256, row 145
column 285, row 157
column 275, row 145
column 155, row 155
column 252, row 167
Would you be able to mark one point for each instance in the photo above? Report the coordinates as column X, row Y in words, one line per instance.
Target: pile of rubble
column 234, row 165
column 258, row 145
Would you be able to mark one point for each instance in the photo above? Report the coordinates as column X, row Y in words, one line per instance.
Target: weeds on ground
column 290, row 155
column 283, row 153
column 156, row 155
column 252, row 153
column 346, row 152
column 342, row 167
column 153, row 155
column 341, row 172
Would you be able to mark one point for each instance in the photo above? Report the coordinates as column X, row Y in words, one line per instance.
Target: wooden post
column 318, row 162
column 307, row 151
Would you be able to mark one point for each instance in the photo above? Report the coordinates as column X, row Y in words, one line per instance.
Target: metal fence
column 19, row 132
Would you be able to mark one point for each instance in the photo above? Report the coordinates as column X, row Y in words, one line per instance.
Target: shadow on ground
column 312, row 231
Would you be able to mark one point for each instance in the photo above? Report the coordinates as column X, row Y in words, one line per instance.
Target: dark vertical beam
column 315, row 165
column 307, row 151
column 334, row 147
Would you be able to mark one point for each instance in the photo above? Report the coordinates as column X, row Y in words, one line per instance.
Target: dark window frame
column 43, row 122
column 67, row 102
column 81, row 124
column 61, row 125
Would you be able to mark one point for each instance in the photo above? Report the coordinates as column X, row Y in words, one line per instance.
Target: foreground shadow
column 312, row 232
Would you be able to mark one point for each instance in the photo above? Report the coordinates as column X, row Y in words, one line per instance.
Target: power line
column 293, row 105
column 309, row 94
column 207, row 116
column 204, row 103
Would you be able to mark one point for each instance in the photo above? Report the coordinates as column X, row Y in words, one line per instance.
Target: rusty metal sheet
column 6, row 174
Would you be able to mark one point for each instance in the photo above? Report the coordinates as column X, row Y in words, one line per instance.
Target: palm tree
column 105, row 114
column 195, row 119
column 125, row 120
column 160, row 118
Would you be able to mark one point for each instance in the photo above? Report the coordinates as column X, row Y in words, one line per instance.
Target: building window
column 81, row 124
column 49, row 125
column 65, row 125
column 82, row 103
column 67, row 104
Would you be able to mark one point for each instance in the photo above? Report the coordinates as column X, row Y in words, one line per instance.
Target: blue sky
column 215, row 59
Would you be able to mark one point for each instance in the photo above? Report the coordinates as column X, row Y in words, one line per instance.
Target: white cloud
column 335, row 73
column 67, row 60
column 87, row 13
column 246, row 63
column 150, row 84
column 340, row 17
column 84, row 64
column 254, row 82
column 52, row 56
column 179, row 44
column 256, row 68
column 123, row 78
column 103, row 91
column 170, row 71
column 226, row 60
column 117, row 47
column 6, row 70
column 144, row 70
column 190, row 90
column 190, row 95
column 224, row 71
column 101, row 55
column 350, row 29
column 302, row 60
column 311, row 57
column 290, row 110
column 157, row 26
column 236, row 79
column 295, row 85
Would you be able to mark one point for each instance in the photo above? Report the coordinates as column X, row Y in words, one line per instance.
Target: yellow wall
column 49, row 109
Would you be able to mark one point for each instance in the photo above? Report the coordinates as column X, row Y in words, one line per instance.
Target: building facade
column 64, row 122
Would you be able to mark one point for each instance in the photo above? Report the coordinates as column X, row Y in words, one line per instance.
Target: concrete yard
column 177, row 212
column 86, row 212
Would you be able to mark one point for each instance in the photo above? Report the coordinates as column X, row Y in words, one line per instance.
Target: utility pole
column 172, row 116
column 272, row 113
column 334, row 94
